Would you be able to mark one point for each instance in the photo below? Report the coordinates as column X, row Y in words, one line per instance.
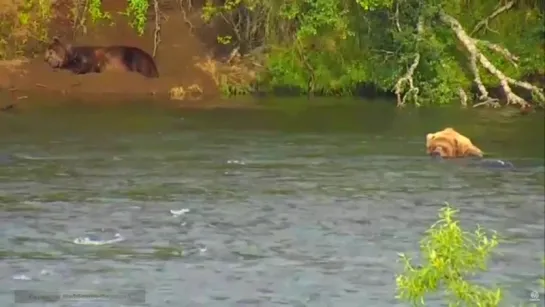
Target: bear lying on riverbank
column 97, row 59
column 448, row 143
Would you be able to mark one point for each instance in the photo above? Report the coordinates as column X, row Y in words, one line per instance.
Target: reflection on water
column 295, row 206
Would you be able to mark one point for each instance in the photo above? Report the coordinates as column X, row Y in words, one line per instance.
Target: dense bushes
column 332, row 47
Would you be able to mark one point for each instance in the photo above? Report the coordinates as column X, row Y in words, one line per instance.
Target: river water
column 292, row 206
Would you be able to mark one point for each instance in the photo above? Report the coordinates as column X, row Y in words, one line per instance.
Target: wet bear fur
column 97, row 59
column 448, row 143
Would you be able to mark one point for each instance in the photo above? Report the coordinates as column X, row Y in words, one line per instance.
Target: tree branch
column 484, row 97
column 397, row 17
column 503, row 51
column 157, row 32
column 477, row 57
column 408, row 76
column 184, row 13
column 463, row 97
column 484, row 22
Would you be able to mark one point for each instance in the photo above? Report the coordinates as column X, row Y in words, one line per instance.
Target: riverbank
column 183, row 60
column 191, row 62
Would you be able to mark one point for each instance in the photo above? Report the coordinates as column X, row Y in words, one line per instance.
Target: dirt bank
column 179, row 53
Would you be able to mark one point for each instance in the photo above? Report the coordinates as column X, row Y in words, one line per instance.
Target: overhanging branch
column 476, row 56
column 484, row 22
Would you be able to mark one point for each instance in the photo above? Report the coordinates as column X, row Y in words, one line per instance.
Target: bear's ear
column 56, row 40
column 429, row 137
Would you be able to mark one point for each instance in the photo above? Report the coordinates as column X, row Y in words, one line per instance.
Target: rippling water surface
column 301, row 207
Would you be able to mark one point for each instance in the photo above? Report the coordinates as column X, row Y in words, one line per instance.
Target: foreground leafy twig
column 449, row 255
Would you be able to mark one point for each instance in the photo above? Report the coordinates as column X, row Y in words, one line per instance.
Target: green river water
column 288, row 206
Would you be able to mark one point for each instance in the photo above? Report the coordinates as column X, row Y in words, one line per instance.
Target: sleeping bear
column 98, row 59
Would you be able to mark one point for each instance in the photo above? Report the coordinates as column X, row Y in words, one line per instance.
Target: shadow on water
column 503, row 133
column 291, row 204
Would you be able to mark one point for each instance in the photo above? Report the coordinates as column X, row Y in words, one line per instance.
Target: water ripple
column 253, row 218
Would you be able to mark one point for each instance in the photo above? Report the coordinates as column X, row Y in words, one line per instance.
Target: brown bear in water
column 97, row 59
column 448, row 143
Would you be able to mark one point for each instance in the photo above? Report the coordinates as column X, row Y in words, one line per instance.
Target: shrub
column 449, row 256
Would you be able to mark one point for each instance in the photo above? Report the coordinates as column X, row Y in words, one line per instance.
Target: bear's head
column 58, row 54
column 448, row 143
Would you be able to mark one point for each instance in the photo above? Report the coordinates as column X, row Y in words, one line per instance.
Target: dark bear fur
column 97, row 59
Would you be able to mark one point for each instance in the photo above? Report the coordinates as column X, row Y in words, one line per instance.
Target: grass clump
column 192, row 92
column 235, row 76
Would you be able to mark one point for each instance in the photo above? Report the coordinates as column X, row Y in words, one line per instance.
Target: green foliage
column 137, row 10
column 82, row 10
column 210, row 10
column 21, row 25
column 370, row 5
column 225, row 40
column 95, row 11
column 330, row 46
column 285, row 68
column 41, row 11
column 449, row 256
column 24, row 25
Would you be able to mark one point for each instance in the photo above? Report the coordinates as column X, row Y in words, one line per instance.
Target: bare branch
column 408, row 76
column 484, row 22
column 503, row 51
column 235, row 54
column 484, row 97
column 184, row 13
column 463, row 97
column 157, row 32
column 397, row 17
column 476, row 56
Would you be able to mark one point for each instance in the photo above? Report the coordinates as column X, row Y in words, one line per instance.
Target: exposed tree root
column 408, row 76
column 476, row 56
